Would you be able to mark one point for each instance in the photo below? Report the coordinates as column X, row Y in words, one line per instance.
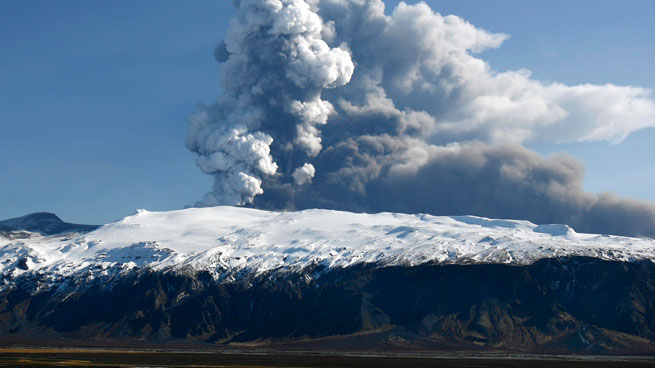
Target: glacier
column 232, row 242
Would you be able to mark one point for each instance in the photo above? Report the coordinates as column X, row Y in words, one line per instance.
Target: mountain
column 43, row 223
column 320, row 279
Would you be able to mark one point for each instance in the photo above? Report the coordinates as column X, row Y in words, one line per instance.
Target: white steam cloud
column 304, row 174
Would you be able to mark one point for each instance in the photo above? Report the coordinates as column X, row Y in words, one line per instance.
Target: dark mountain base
column 562, row 306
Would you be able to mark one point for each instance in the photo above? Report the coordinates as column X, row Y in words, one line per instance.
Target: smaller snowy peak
column 491, row 223
column 44, row 223
column 555, row 230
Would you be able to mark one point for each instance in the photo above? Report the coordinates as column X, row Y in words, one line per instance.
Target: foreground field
column 147, row 358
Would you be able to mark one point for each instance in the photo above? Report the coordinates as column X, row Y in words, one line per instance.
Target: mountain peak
column 39, row 217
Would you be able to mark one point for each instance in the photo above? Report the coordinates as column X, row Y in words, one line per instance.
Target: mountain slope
column 568, row 305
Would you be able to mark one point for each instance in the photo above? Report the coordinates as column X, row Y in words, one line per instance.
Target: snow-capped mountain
column 233, row 241
column 363, row 281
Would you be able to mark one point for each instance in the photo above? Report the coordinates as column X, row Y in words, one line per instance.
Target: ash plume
column 275, row 65
column 335, row 104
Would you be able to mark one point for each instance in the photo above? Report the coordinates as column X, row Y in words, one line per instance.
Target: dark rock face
column 22, row 264
column 567, row 305
column 44, row 223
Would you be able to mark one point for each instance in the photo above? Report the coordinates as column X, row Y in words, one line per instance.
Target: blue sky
column 94, row 96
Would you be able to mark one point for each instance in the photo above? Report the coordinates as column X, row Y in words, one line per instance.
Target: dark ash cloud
column 374, row 174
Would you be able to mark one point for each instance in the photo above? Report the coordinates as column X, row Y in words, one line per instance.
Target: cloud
column 334, row 104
